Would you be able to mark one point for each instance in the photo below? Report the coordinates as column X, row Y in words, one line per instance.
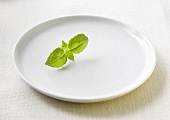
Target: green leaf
column 78, row 43
column 64, row 44
column 57, row 58
column 79, row 48
column 70, row 55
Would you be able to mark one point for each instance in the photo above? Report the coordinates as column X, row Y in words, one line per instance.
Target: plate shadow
column 130, row 103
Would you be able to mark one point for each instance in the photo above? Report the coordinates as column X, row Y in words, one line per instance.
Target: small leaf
column 78, row 43
column 64, row 44
column 60, row 62
column 70, row 55
column 57, row 58
column 79, row 48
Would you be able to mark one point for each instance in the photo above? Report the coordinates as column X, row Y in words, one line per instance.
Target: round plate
column 117, row 59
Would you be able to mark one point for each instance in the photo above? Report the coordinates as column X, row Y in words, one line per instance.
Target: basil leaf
column 70, row 55
column 78, row 43
column 64, row 44
column 57, row 58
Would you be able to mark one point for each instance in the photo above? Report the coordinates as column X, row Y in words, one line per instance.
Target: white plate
column 117, row 59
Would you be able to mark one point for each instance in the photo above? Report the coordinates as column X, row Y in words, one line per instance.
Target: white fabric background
column 151, row 101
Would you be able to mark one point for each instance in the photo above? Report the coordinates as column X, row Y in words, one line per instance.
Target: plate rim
column 83, row 99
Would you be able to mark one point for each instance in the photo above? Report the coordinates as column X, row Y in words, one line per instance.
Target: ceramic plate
column 117, row 59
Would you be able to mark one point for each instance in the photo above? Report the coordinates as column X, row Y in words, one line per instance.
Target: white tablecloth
column 151, row 101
